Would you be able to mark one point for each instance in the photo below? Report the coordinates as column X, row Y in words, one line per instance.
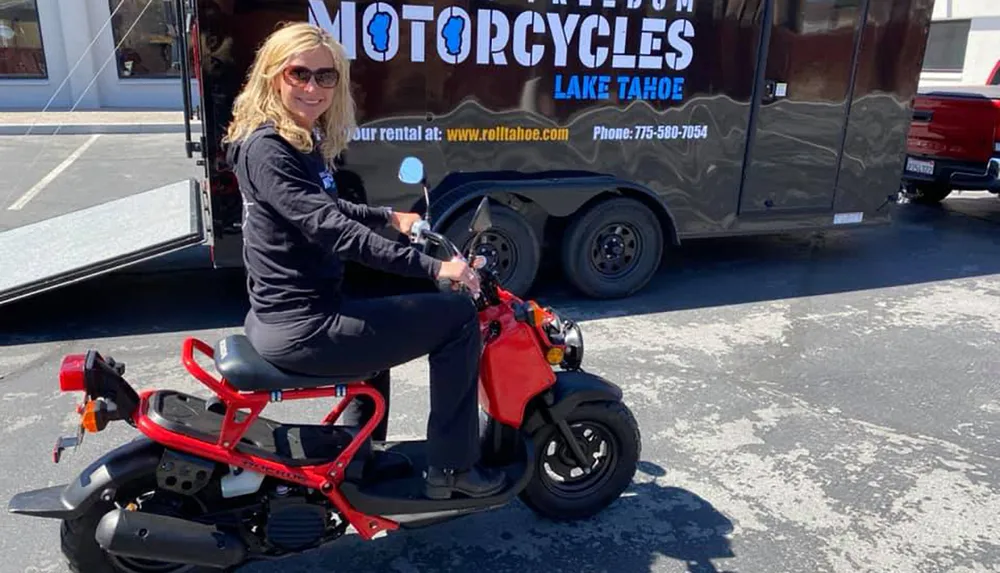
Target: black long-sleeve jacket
column 296, row 231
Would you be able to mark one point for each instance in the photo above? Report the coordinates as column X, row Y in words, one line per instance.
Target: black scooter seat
column 241, row 365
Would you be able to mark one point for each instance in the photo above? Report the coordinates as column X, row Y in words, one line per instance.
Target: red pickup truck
column 954, row 142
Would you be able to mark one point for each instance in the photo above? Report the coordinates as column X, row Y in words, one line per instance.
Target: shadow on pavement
column 649, row 523
column 958, row 239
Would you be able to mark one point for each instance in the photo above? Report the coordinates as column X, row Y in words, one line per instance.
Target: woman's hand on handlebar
column 403, row 222
column 460, row 272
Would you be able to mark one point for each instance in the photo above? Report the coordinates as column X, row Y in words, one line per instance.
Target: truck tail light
column 996, row 126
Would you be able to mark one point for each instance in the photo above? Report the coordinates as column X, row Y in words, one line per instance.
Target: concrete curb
column 86, row 128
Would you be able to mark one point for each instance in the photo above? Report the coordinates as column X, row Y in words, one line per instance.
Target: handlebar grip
column 418, row 229
column 448, row 285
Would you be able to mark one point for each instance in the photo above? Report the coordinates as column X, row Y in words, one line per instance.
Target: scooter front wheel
column 564, row 489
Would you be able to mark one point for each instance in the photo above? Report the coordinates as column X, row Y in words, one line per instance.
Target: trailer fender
column 558, row 197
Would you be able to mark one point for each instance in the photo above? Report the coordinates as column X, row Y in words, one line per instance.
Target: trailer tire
column 626, row 229
column 510, row 244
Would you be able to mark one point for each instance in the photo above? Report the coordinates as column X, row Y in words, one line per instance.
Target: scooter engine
column 294, row 523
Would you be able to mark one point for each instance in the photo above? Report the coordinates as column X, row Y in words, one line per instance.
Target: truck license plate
column 920, row 166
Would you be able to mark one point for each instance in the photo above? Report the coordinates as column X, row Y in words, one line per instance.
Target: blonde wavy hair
column 260, row 102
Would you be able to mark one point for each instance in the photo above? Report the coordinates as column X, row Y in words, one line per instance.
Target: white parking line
column 30, row 194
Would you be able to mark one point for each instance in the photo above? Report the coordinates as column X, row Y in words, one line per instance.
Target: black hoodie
column 296, row 231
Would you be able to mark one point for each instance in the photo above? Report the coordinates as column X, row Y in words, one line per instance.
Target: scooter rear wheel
column 84, row 555
column 608, row 433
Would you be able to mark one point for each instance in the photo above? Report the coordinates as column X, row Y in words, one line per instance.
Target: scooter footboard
column 109, row 472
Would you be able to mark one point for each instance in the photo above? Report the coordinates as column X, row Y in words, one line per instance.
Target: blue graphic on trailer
column 452, row 34
column 381, row 25
column 378, row 31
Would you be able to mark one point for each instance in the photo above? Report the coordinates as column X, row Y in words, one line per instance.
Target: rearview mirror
column 481, row 221
column 411, row 170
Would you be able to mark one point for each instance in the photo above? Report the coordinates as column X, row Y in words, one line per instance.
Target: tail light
column 71, row 373
column 996, row 126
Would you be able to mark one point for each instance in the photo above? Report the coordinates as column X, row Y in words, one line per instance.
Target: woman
column 294, row 115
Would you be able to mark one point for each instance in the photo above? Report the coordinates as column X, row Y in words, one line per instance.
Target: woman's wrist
column 434, row 265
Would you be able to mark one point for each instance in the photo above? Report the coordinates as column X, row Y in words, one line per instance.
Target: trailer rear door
column 796, row 135
column 69, row 248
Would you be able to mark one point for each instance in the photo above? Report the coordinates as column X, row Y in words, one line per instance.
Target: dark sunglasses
column 300, row 76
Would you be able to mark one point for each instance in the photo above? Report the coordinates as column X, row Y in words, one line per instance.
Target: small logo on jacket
column 327, row 178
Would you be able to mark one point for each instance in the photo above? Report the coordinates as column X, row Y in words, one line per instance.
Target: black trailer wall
column 654, row 96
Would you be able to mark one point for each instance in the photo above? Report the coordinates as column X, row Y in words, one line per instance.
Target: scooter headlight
column 573, row 337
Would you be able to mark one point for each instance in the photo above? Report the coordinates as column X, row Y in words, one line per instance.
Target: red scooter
column 213, row 484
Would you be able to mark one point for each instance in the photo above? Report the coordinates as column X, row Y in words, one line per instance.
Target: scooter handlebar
column 420, row 233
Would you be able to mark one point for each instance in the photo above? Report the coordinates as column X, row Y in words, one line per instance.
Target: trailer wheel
column 511, row 247
column 612, row 249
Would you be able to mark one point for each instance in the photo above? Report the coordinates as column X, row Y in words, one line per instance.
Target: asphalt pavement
column 806, row 403
column 108, row 167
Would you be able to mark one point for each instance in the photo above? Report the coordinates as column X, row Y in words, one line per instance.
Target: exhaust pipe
column 163, row 538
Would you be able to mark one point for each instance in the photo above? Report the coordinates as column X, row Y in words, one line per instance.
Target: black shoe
column 475, row 482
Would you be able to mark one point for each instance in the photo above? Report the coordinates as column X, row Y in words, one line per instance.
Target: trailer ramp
column 83, row 244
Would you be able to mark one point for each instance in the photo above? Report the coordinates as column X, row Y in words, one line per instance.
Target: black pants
column 364, row 282
column 375, row 334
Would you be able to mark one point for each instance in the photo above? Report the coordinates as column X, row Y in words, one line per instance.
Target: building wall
column 978, row 23
column 80, row 56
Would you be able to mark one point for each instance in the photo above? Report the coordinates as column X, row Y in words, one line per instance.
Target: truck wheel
column 613, row 249
column 511, row 247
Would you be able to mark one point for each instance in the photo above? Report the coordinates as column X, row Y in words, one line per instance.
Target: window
column 146, row 37
column 21, row 52
column 946, row 46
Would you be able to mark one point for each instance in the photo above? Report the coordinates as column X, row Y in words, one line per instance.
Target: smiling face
column 307, row 85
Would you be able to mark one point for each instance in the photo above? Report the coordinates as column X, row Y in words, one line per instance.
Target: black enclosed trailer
column 606, row 131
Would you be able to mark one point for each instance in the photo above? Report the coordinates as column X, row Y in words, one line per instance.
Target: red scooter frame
column 516, row 353
column 323, row 477
column 521, row 343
